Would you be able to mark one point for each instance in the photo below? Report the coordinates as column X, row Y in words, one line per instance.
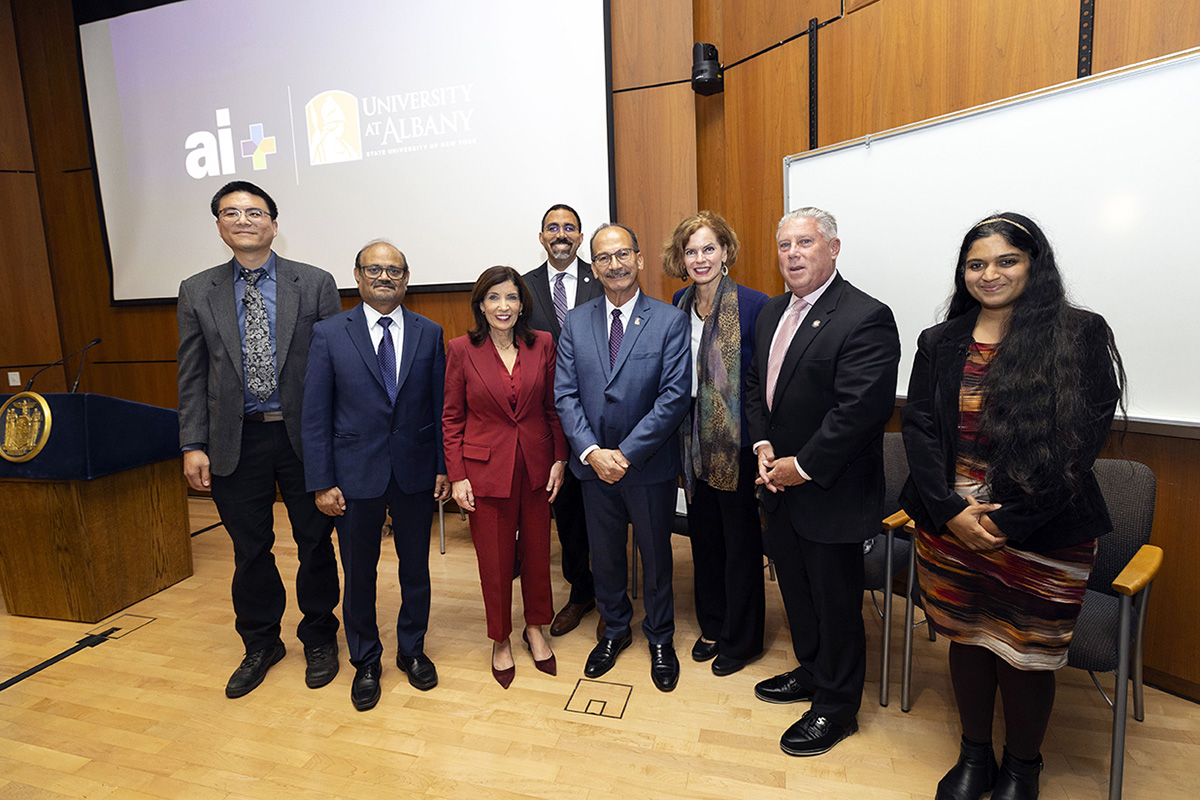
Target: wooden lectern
column 98, row 519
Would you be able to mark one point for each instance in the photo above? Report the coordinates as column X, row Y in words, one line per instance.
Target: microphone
column 62, row 360
column 83, row 358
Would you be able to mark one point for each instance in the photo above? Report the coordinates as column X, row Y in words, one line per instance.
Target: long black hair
column 1035, row 410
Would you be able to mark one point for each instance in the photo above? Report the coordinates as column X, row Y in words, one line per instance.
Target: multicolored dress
column 1019, row 604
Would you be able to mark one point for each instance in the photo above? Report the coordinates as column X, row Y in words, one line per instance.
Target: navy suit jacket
column 352, row 432
column 635, row 405
column 836, row 391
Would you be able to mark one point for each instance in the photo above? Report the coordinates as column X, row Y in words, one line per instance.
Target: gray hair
column 632, row 235
column 826, row 223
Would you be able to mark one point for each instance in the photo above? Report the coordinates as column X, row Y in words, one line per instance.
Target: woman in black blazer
column 1010, row 402
column 718, row 466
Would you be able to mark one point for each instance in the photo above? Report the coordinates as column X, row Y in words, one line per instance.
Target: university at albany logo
column 26, row 418
column 333, row 129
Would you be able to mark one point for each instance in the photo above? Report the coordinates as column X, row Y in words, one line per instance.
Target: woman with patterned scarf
column 718, row 465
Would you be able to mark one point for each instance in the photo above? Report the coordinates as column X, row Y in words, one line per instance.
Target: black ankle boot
column 1018, row 780
column 973, row 775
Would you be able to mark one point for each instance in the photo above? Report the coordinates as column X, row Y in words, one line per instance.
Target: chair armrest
column 895, row 521
column 1140, row 570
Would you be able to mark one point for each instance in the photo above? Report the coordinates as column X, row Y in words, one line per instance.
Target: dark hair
column 1035, row 407
column 491, row 277
column 606, row 226
column 672, row 255
column 562, row 207
column 248, row 188
column 372, row 243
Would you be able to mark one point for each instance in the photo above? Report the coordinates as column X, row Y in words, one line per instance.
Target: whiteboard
column 1109, row 167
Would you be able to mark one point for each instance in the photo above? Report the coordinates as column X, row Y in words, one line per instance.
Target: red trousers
column 494, row 526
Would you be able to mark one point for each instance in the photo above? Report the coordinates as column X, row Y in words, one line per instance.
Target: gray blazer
column 211, row 380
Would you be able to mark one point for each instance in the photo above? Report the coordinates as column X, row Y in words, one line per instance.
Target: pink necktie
column 787, row 330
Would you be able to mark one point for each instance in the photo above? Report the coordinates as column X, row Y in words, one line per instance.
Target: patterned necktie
column 560, row 298
column 615, row 334
column 260, row 363
column 787, row 330
column 387, row 358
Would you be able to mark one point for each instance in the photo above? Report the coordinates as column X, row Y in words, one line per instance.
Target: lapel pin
column 816, row 323
column 637, row 321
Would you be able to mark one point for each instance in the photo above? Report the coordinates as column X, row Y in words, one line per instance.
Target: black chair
column 1109, row 634
column 889, row 553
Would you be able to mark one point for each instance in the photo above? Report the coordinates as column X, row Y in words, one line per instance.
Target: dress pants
column 726, row 538
column 649, row 507
column 571, row 523
column 494, row 525
column 245, row 500
column 822, row 587
column 359, row 535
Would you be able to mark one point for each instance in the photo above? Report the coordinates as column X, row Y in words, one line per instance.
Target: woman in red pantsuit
column 505, row 457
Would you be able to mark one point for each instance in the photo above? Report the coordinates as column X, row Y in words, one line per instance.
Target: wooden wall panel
column 766, row 117
column 30, row 328
column 15, row 152
column 752, row 25
column 902, row 61
column 655, row 135
column 1129, row 31
column 651, row 42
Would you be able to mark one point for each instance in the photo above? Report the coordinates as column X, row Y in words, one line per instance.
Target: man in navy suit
column 819, row 391
column 373, row 444
column 622, row 386
column 561, row 283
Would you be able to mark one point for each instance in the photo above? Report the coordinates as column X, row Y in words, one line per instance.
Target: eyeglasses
column 554, row 227
column 234, row 214
column 375, row 270
column 624, row 255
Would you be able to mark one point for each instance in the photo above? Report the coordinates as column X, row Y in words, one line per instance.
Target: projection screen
column 447, row 128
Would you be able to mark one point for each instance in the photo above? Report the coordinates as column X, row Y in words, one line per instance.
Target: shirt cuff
column 583, row 456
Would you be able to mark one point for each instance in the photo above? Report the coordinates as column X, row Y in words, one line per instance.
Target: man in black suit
column 819, row 391
column 244, row 329
column 562, row 282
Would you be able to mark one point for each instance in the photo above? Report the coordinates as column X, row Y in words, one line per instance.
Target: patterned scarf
column 712, row 430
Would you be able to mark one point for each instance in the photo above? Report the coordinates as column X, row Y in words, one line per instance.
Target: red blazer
column 479, row 427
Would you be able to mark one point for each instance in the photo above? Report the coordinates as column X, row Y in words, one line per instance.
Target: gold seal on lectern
column 26, row 418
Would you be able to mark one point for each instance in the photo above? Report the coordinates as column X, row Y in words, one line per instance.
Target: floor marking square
column 599, row 698
column 124, row 624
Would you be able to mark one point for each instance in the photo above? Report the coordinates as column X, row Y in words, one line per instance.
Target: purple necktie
column 615, row 334
column 387, row 358
column 560, row 298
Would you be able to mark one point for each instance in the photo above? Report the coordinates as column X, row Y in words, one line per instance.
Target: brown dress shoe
column 568, row 619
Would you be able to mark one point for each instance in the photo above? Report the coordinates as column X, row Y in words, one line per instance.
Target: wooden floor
column 145, row 715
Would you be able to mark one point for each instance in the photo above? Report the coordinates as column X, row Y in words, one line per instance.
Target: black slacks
column 822, row 587
column 245, row 500
column 571, row 523
column 726, row 538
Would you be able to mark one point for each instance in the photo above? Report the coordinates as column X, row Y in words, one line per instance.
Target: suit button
column 395, row 431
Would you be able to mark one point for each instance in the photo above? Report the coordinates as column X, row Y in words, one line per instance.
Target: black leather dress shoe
column 253, row 669
column 974, row 774
column 421, row 672
column 664, row 666
column 785, row 688
column 321, row 664
column 727, row 665
column 702, row 651
column 1017, row 779
column 364, row 692
column 813, row 734
column 604, row 655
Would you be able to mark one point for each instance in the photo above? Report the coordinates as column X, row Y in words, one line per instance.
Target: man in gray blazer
column 244, row 329
column 561, row 283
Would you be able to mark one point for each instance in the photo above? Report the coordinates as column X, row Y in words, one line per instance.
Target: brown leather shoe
column 568, row 619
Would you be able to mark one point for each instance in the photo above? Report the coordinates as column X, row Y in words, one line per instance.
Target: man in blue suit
column 622, row 387
column 373, row 443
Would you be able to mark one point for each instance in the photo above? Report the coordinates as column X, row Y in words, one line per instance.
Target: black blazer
column 836, row 391
column 541, row 315
column 930, row 425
